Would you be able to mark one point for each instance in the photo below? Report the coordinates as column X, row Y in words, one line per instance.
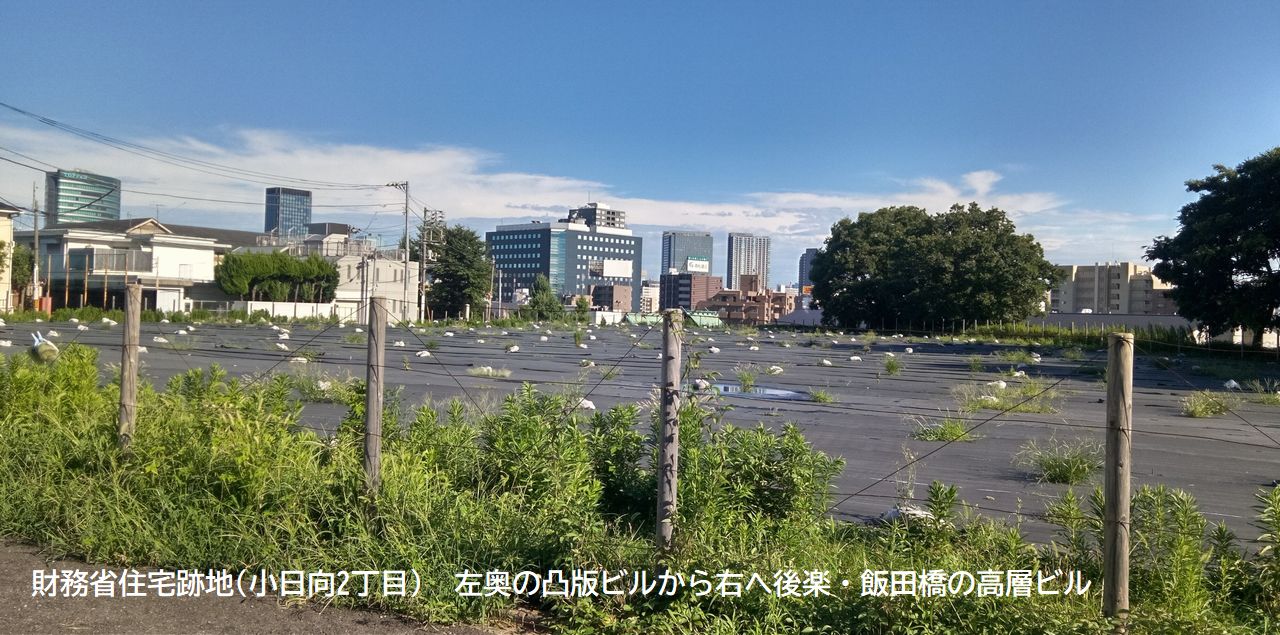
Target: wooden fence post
column 669, row 435
column 374, row 362
column 1115, row 584
column 129, row 364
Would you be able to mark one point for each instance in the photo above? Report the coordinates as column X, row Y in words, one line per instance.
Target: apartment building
column 1121, row 287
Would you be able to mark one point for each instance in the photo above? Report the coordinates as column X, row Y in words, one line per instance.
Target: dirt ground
column 22, row 613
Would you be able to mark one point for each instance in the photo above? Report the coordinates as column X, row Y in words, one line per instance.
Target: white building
column 7, row 214
column 88, row 263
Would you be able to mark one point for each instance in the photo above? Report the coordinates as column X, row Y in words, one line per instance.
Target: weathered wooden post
column 1115, row 584
column 374, row 363
column 669, row 434
column 129, row 364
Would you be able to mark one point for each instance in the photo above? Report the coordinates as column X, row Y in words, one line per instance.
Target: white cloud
column 471, row 184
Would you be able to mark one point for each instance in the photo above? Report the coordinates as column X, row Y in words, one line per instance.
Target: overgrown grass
column 221, row 474
column 355, row 338
column 746, row 376
column 1073, row 354
column 1265, row 391
column 1024, row 395
column 1068, row 462
column 892, row 366
column 1207, row 403
column 975, row 364
column 821, row 396
column 948, row 428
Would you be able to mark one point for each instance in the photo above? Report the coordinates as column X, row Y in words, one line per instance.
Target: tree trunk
column 1257, row 336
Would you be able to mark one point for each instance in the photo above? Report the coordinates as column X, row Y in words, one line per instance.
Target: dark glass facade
column 686, row 252
column 288, row 212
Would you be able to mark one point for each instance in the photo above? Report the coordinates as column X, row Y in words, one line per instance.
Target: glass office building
column 288, row 212
column 575, row 254
column 75, row 196
column 686, row 252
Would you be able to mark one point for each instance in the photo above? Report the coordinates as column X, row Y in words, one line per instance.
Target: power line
column 198, row 165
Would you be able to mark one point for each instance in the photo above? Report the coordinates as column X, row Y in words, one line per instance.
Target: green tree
column 1224, row 262
column 461, row 275
column 581, row 308
column 277, row 276
column 544, row 304
column 902, row 265
column 23, row 269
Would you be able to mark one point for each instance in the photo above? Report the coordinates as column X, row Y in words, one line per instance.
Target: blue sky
column 1081, row 119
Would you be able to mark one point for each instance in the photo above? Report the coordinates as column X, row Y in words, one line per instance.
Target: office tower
column 686, row 252
column 76, row 196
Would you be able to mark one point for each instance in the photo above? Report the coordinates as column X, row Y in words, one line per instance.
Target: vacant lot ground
column 1222, row 461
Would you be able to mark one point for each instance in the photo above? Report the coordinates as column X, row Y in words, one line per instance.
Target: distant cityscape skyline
column 1085, row 137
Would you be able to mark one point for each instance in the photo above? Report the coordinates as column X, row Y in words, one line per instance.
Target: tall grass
column 221, row 474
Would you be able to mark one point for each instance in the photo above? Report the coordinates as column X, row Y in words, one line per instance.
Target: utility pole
column 499, row 294
column 422, row 268
column 1116, row 487
column 35, row 265
column 669, row 433
column 374, row 363
column 404, row 304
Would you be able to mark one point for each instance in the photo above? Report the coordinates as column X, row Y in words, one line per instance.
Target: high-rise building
column 575, row 253
column 76, row 196
column 288, row 212
column 686, row 252
column 748, row 256
column 806, row 268
column 1121, row 287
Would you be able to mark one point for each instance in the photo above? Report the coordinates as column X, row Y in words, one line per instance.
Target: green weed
column 1069, row 462
column 1206, row 403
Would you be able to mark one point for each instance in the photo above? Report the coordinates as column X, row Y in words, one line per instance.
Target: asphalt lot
column 1222, row 461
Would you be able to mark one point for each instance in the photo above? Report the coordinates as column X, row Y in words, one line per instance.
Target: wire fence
column 315, row 346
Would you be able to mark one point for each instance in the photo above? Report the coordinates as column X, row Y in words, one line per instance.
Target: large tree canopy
column 902, row 265
column 461, row 274
column 277, row 277
column 1224, row 261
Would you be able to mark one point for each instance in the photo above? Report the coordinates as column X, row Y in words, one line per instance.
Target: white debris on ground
column 714, row 349
column 855, row 358
column 825, row 362
column 542, row 338
column 297, row 360
column 907, row 513
column 1231, row 385
column 513, row 349
column 282, row 346
column 701, row 384
column 774, row 370
column 159, row 340
column 398, row 344
column 422, row 354
column 999, row 383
